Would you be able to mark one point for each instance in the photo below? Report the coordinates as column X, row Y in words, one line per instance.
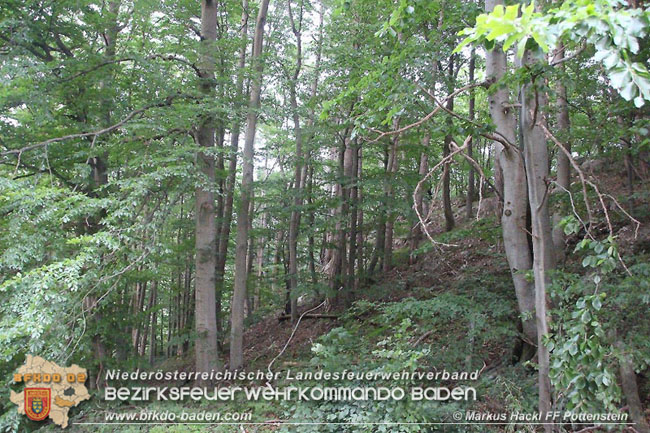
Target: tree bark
column 393, row 162
column 294, row 223
column 446, row 190
column 537, row 172
column 206, row 228
column 631, row 391
column 563, row 164
column 224, row 233
column 515, row 194
column 239, row 290
column 469, row 200
column 353, row 197
column 154, row 319
column 423, row 169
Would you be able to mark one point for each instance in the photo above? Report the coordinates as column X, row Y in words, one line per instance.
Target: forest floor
column 454, row 309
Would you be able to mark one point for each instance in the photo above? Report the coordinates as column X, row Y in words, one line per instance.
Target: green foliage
column 583, row 370
column 614, row 32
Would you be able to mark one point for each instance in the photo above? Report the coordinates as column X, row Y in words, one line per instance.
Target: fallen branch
column 422, row 337
column 295, row 328
column 310, row 316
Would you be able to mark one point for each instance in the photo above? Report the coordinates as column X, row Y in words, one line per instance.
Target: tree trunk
column 469, row 200
column 389, row 194
column 515, row 195
column 206, row 228
column 378, row 252
column 631, row 392
column 239, row 290
column 154, row 319
column 446, row 190
column 224, row 234
column 360, row 238
column 563, row 164
column 537, row 172
column 311, row 221
column 294, row 223
column 338, row 256
column 423, row 169
column 353, row 195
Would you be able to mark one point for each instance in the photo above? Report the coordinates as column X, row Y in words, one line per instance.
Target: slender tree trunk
column 446, row 190
column 250, row 255
column 631, row 392
column 353, row 194
column 294, row 223
column 470, row 146
column 311, row 222
column 338, row 257
column 154, row 319
column 423, row 169
column 515, row 195
column 360, row 238
column 207, row 358
column 378, row 252
column 239, row 290
column 389, row 194
column 224, row 233
column 537, row 171
column 563, row 164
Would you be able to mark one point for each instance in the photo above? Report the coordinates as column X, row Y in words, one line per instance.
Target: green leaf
column 597, row 303
column 521, row 47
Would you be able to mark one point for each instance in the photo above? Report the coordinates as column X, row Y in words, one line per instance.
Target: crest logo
column 38, row 402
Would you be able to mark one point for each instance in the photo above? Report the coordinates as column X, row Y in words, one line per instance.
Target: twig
column 422, row 337
column 428, row 116
column 501, row 139
column 600, row 196
column 293, row 333
column 446, row 160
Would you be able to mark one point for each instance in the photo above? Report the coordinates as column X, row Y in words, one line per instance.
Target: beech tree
column 241, row 248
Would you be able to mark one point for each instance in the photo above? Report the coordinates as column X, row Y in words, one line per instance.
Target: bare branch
column 428, row 116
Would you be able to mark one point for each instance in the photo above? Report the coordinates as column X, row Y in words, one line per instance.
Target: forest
column 446, row 197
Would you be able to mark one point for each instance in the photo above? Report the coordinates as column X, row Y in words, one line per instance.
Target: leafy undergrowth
column 454, row 311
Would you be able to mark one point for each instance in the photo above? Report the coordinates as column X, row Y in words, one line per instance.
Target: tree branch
column 94, row 134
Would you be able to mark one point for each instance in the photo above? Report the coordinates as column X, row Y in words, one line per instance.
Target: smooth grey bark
column 378, row 252
column 224, row 233
column 339, row 252
column 446, row 190
column 423, row 169
column 353, row 195
column 563, row 163
column 241, row 249
column 631, row 391
column 469, row 200
column 360, row 237
column 515, row 195
column 389, row 193
column 537, row 171
column 205, row 316
column 294, row 222
column 301, row 168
